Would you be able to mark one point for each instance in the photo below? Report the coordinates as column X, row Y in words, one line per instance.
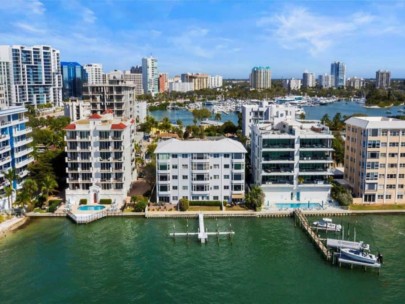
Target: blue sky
column 226, row 37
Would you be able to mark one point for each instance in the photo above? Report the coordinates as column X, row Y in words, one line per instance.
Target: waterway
column 317, row 112
column 122, row 260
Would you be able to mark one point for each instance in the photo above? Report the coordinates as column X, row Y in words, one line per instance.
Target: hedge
column 53, row 205
column 83, row 201
column 106, row 201
column 206, row 203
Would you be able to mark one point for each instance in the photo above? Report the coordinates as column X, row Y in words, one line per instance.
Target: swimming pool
column 299, row 205
column 90, row 208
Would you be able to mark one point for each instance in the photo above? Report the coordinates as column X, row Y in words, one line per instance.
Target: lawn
column 377, row 207
column 237, row 208
column 204, row 208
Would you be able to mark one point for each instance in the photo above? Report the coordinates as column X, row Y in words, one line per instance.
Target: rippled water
column 119, row 260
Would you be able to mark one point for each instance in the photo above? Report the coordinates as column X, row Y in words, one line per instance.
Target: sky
column 217, row 37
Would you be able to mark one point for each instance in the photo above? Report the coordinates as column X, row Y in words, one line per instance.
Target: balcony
column 314, row 160
column 21, row 132
column 22, row 142
column 315, row 171
column 25, row 162
column 4, row 137
column 5, row 160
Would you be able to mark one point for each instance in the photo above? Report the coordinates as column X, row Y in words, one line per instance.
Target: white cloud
column 88, row 15
column 299, row 28
column 190, row 41
column 29, row 28
column 37, row 7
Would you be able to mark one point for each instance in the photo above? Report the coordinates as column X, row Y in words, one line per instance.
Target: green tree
column 48, row 186
column 149, row 172
column 338, row 146
column 255, row 198
column 218, row 116
column 183, row 204
column 326, row 120
column 302, row 116
column 201, row 114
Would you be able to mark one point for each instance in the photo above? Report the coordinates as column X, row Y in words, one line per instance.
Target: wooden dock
column 303, row 222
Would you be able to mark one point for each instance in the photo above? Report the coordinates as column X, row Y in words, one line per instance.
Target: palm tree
column 48, row 185
column 23, row 198
column 30, row 186
column 218, row 116
column 9, row 192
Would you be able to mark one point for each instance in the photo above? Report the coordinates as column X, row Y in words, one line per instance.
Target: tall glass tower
column 73, row 77
column 338, row 71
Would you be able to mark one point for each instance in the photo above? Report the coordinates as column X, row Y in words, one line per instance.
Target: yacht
column 326, row 224
column 362, row 256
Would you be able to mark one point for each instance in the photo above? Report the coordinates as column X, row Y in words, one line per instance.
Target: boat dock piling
column 202, row 233
column 302, row 220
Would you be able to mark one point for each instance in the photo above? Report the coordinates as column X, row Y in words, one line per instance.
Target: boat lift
column 202, row 233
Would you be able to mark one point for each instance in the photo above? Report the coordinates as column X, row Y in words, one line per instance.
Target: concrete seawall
column 11, row 225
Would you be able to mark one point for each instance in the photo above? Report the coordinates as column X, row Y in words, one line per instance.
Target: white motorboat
column 363, row 256
column 326, row 224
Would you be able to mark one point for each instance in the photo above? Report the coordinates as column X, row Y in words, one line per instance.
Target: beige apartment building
column 375, row 159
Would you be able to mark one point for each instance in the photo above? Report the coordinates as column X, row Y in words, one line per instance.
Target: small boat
column 363, row 256
column 326, row 224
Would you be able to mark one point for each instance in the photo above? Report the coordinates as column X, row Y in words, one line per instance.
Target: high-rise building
column 94, row 73
column 163, row 82
column 338, row 71
column 326, row 81
column 34, row 74
column 215, row 81
column 136, row 79
column 382, row 79
column 291, row 161
column 200, row 170
column 15, row 152
column 136, row 69
column 375, row 159
column 355, row 82
column 73, row 77
column 5, row 84
column 260, row 78
column 200, row 81
column 308, row 80
column 292, row 84
column 100, row 159
column 178, row 86
column 76, row 109
column 116, row 96
column 150, row 75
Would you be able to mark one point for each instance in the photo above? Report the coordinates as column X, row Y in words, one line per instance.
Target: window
column 380, row 196
column 384, row 133
column 402, row 143
column 184, row 155
column 215, row 198
column 184, row 187
column 371, row 186
column 371, row 176
column 383, row 155
column 174, row 176
column 226, row 198
column 216, row 166
column 392, row 165
column 237, row 156
column 226, row 166
column 401, row 175
column 216, row 176
column 174, row 166
column 216, row 187
column 392, row 154
column 184, row 177
column 195, row 198
column 174, row 155
column 369, row 198
column 373, row 144
column 381, row 176
column 400, row 196
column 394, row 133
column 374, row 132
column 382, row 166
column 184, row 166
column 383, row 144
column 237, row 166
column 372, row 155
column 226, row 155
column 402, row 165
column 391, row 176
column 174, row 198
column 174, row 187
column 226, row 187
column 372, row 165
column 391, row 186
column 226, row 176
column 401, row 186
column 163, row 188
column 216, row 155
column 388, row 196
column 164, row 156
column 394, row 144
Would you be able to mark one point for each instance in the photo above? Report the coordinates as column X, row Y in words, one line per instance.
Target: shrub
column 140, row 206
column 53, row 205
column 106, row 201
column 183, row 204
column 341, row 195
column 83, row 201
column 205, row 203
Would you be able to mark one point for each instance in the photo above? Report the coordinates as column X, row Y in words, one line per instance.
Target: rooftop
column 376, row 122
column 225, row 145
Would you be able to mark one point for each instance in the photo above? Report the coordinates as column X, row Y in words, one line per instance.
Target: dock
column 302, row 220
column 202, row 233
column 337, row 257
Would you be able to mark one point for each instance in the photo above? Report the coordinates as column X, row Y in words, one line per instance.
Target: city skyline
column 218, row 37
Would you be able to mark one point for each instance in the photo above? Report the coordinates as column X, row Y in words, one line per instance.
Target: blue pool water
column 91, row 208
column 298, row 205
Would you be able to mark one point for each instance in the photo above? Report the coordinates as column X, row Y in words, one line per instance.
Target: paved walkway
column 11, row 224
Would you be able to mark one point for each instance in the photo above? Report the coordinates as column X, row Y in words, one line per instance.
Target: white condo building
column 215, row 82
column 253, row 114
column 31, row 74
column 150, row 75
column 179, row 86
column 291, row 161
column 76, row 109
column 94, row 73
column 292, row 84
column 141, row 111
column 326, row 81
column 308, row 80
column 15, row 150
column 200, row 170
column 100, row 159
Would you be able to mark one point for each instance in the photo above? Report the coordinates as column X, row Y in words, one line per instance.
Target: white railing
column 88, row 218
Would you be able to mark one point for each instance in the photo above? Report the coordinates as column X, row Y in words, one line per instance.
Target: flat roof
column 376, row 122
column 225, row 145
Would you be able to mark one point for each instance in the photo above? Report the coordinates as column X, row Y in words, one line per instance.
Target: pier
column 202, row 233
column 302, row 220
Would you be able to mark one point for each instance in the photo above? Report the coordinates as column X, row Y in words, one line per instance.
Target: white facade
column 215, row 82
column 308, row 80
column 355, row 82
column 253, row 114
column 150, row 76
column 181, row 86
column 100, row 159
column 32, row 75
column 141, row 111
column 292, row 84
column 94, row 73
column 383, row 79
column 291, row 161
column 136, row 79
column 260, row 78
column 116, row 96
column 76, row 109
column 326, row 81
column 15, row 150
column 200, row 170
